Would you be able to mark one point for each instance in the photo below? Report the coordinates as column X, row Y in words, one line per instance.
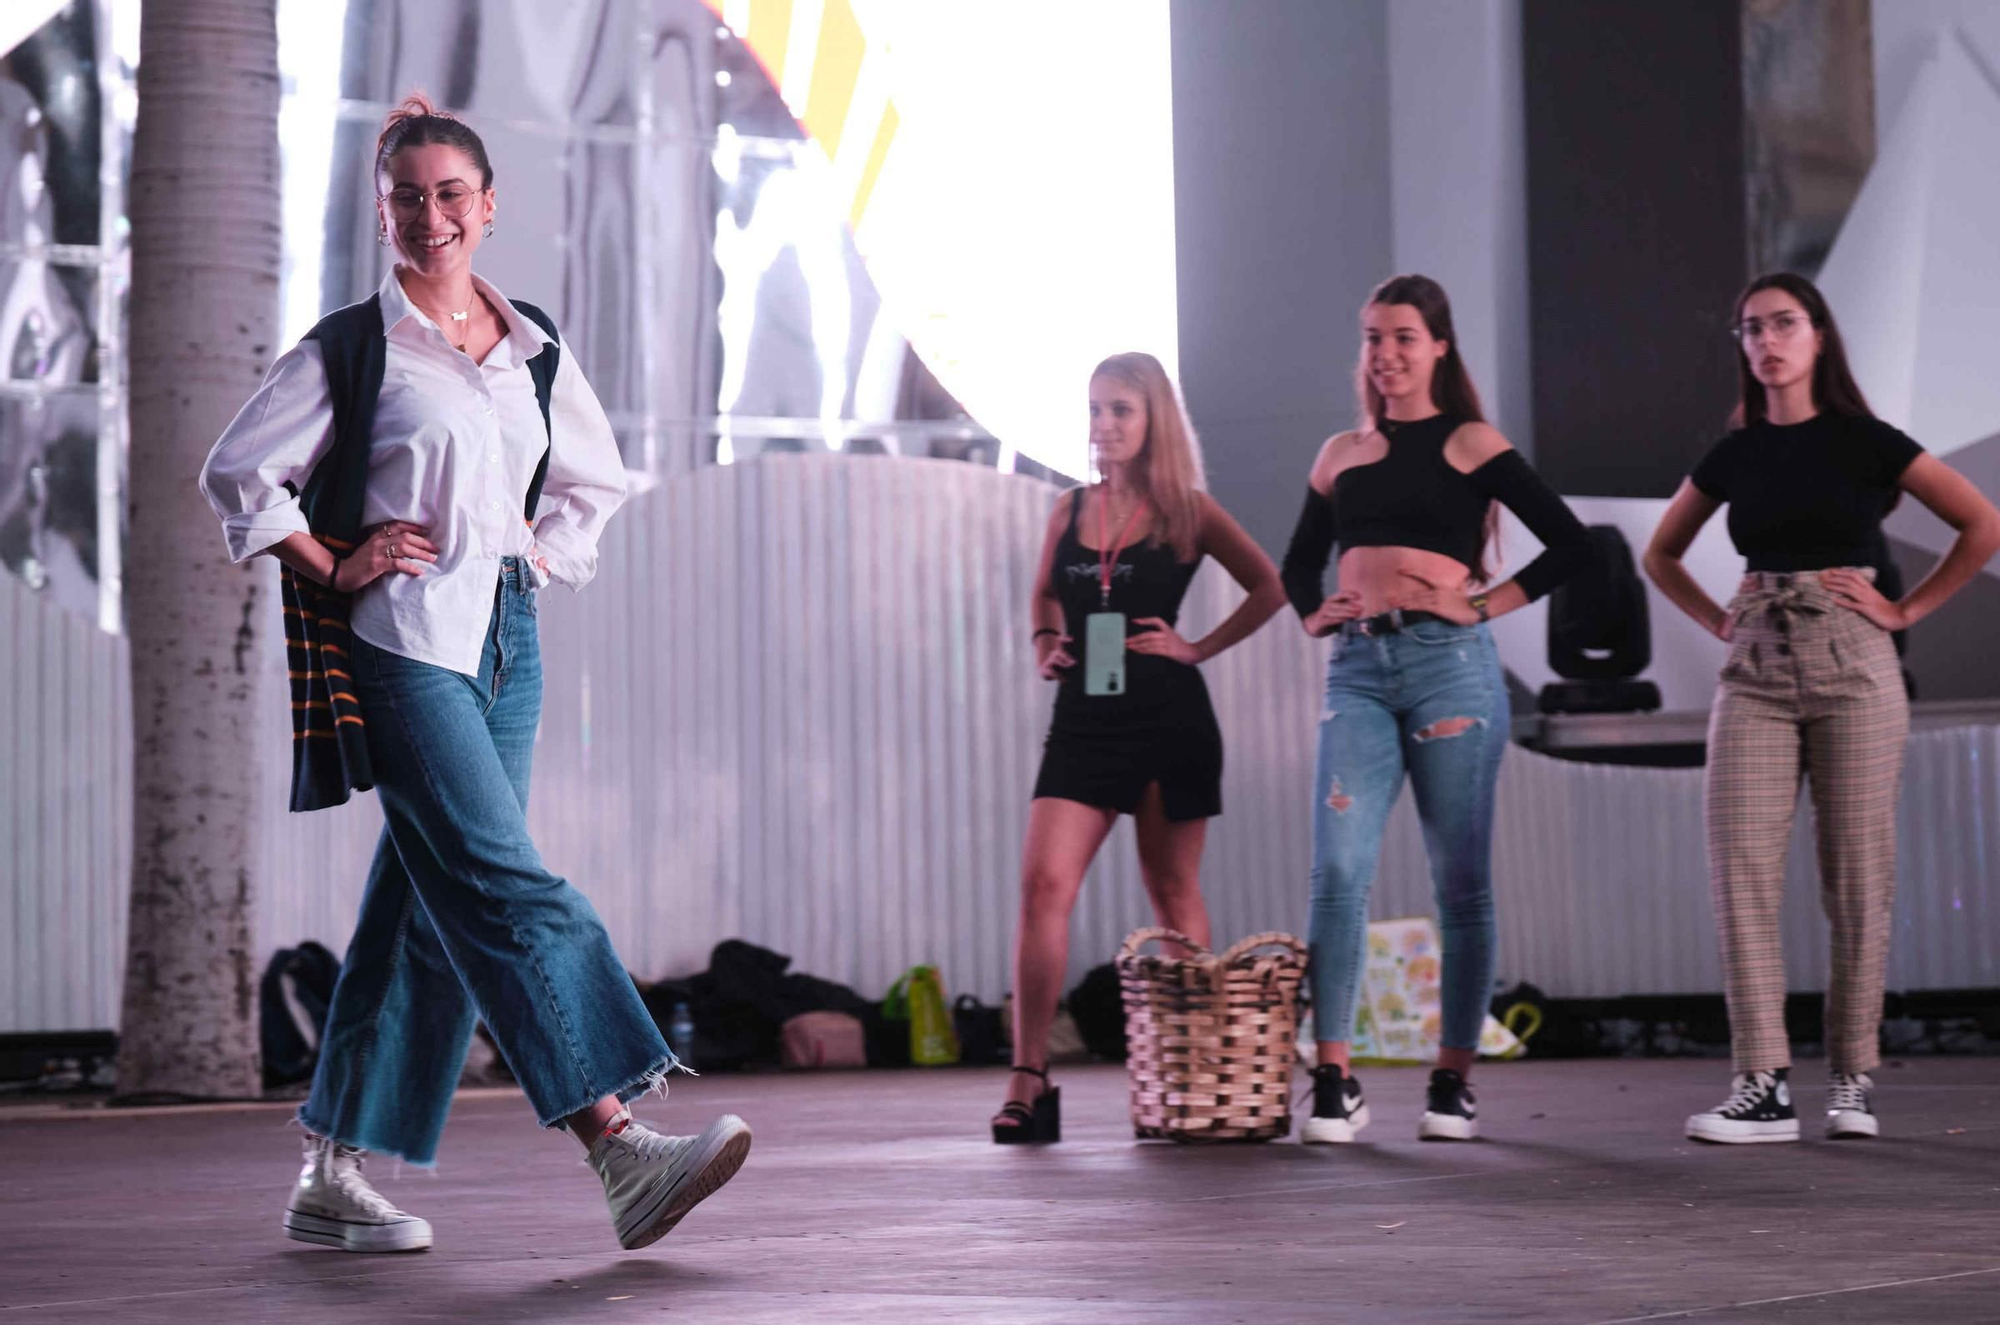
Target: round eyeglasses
column 1782, row 326
column 453, row 201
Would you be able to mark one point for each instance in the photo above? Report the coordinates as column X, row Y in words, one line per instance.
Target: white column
column 1458, row 168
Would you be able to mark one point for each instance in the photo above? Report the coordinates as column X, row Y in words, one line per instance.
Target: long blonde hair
column 1168, row 472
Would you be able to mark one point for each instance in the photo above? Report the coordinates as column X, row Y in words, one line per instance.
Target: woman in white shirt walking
column 431, row 690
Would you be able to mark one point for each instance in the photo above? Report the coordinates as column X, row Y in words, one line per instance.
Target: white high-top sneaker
column 334, row 1206
column 652, row 1181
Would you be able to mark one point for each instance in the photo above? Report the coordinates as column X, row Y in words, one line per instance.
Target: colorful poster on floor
column 1399, row 1017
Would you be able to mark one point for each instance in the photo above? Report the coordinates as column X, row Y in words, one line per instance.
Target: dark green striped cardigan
column 329, row 730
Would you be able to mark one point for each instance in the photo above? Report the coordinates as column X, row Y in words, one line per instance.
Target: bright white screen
column 1023, row 225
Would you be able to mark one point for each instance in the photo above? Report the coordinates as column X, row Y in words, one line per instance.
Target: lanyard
column 1107, row 553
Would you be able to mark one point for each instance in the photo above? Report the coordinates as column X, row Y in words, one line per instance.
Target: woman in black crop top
column 1812, row 684
column 1414, row 684
column 1123, row 551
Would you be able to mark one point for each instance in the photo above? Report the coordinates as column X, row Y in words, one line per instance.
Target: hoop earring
column 487, row 233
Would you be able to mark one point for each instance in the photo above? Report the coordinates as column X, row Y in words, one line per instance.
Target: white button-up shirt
column 454, row 449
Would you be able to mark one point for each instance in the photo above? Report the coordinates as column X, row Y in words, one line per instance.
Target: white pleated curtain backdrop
column 798, row 706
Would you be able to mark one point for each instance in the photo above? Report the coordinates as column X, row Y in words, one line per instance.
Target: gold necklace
column 464, row 319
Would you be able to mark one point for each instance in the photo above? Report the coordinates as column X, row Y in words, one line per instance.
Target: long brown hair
column 1452, row 390
column 1168, row 472
column 1834, row 390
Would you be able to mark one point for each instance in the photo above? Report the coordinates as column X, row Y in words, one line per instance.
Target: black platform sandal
column 1020, row 1124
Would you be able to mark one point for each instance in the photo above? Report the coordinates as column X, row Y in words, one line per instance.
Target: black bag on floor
column 292, row 1000
column 886, row 1039
column 980, row 1039
column 740, row 1003
column 1098, row 1006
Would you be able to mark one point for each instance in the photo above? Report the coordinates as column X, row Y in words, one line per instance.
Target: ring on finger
column 394, row 555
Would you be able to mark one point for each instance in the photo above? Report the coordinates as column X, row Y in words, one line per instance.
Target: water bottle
column 680, row 1034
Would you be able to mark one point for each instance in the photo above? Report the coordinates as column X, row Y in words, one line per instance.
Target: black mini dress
column 1105, row 750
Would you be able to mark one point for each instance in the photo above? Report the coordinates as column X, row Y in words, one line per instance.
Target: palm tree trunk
column 204, row 314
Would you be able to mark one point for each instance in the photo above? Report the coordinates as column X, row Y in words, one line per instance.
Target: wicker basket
column 1210, row 1039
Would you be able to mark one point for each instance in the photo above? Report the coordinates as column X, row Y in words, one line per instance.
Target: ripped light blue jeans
column 461, row 920
column 1430, row 701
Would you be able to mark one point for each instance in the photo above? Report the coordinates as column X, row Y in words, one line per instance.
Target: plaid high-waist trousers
column 1811, row 689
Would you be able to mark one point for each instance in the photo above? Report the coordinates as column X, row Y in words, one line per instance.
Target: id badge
column 1104, row 653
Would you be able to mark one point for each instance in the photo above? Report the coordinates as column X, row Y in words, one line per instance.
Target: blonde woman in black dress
column 1146, row 743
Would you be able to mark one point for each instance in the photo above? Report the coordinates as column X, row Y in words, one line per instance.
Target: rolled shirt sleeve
column 585, row 483
column 254, row 473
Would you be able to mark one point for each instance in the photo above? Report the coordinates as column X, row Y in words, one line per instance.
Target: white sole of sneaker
column 1333, row 1131
column 712, row 1161
column 1446, row 1127
column 414, row 1235
column 1851, row 1124
column 1723, row 1132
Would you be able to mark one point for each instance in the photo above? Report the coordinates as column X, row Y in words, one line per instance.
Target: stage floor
column 876, row 1197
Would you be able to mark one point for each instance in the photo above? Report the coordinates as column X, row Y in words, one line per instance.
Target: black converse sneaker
column 1450, row 1112
column 1759, row 1108
column 1847, row 1110
column 1338, row 1109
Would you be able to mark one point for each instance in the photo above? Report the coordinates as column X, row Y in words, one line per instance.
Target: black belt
column 1392, row 622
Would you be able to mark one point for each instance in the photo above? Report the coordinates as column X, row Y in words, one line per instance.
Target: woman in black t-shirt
column 1812, row 685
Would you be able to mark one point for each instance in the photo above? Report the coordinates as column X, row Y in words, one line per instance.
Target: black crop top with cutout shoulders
column 1412, row 497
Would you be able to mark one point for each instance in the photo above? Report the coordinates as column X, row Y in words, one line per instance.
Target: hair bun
column 411, row 107
column 416, row 121
column 415, row 106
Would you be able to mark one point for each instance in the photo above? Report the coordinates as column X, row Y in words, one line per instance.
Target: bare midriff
column 1384, row 576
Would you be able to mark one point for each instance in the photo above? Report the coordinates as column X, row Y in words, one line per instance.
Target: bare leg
column 1170, row 864
column 1063, row 836
column 588, row 1124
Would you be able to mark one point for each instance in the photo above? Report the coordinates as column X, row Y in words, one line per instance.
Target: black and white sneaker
column 1338, row 1109
column 1450, row 1112
column 1847, row 1110
column 1759, row 1108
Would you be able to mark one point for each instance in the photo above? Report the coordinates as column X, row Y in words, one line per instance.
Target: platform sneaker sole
column 407, row 1235
column 1723, row 1132
column 1333, row 1131
column 1446, row 1127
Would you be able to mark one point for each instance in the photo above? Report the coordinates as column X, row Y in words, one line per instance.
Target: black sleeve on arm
column 1507, row 479
column 1306, row 555
column 1711, row 473
column 1896, row 451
